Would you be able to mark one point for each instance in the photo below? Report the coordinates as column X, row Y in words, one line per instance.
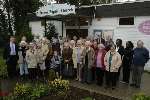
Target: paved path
column 123, row 91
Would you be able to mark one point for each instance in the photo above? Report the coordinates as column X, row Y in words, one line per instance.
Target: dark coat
column 121, row 51
column 67, row 55
column 127, row 58
column 140, row 56
column 7, row 50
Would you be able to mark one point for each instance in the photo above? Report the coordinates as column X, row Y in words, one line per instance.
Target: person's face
column 117, row 42
column 72, row 43
column 87, row 45
column 139, row 44
column 24, row 38
column 75, row 38
column 127, row 44
column 23, row 45
column 55, row 53
column 12, row 39
column 112, row 49
column 79, row 44
column 95, row 44
column 66, row 46
column 100, row 47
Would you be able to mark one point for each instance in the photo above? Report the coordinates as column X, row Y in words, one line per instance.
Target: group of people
column 85, row 60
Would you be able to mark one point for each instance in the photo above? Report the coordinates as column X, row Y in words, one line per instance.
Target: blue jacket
column 140, row 56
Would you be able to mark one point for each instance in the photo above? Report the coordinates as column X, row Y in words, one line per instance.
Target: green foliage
column 3, row 28
column 87, row 98
column 28, row 35
column 19, row 10
column 3, row 68
column 59, row 86
column 29, row 91
column 51, row 30
column 40, row 90
column 22, row 91
column 141, row 97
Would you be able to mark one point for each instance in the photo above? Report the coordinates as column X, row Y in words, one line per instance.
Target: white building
column 127, row 21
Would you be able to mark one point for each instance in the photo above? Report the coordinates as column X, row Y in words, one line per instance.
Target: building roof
column 116, row 9
column 123, row 9
column 33, row 17
column 126, row 9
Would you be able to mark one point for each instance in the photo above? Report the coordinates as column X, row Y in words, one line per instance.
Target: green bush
column 3, row 67
column 59, row 86
column 87, row 98
column 22, row 91
column 29, row 91
column 28, row 35
column 141, row 97
column 39, row 90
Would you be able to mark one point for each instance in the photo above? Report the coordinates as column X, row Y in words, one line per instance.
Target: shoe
column 124, row 82
column 113, row 88
column 106, row 87
column 77, row 79
column 133, row 85
column 137, row 86
column 99, row 84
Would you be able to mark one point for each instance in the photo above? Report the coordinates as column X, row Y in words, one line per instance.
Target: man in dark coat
column 10, row 55
column 140, row 58
column 120, row 50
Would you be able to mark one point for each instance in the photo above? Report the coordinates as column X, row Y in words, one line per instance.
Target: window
column 126, row 21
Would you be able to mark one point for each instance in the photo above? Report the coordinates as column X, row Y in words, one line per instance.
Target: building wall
column 124, row 32
column 38, row 30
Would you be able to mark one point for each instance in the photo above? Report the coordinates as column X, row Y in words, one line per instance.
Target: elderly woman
column 22, row 61
column 44, row 53
column 88, row 57
column 112, row 62
column 31, row 61
column 77, row 61
column 67, row 60
column 100, row 67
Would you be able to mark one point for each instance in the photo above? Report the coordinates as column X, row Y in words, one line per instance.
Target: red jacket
column 102, row 58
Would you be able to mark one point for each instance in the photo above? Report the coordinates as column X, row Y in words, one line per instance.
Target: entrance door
column 76, row 32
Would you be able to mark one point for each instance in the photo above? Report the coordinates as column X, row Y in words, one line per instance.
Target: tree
column 20, row 10
column 3, row 25
column 51, row 30
column 17, row 11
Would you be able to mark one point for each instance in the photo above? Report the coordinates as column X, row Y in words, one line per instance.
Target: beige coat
column 115, row 63
column 74, row 56
column 39, row 56
column 31, row 59
column 44, row 50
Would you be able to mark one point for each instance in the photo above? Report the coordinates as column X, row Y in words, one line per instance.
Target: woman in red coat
column 100, row 67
